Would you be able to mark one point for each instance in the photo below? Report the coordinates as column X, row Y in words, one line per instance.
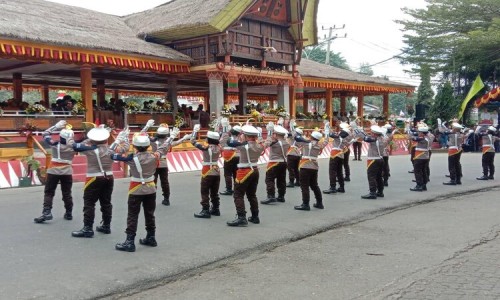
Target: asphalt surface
column 43, row 261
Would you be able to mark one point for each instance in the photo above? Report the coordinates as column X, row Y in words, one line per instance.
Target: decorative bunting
column 232, row 81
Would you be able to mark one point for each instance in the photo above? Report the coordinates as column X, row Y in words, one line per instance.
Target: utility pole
column 329, row 40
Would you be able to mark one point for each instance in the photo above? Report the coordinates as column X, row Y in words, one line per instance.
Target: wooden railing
column 18, row 153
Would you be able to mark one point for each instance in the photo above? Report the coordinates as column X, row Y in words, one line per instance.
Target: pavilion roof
column 314, row 72
column 59, row 24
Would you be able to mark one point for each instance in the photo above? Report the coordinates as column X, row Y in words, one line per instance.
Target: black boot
column 347, row 178
column 270, row 199
column 104, row 228
column 290, row 184
column 227, row 192
column 341, row 190
column 68, row 215
column 331, row 190
column 128, row 245
column 459, row 181
column 214, row 211
column 386, row 182
column 280, row 199
column 451, row 182
column 86, row 231
column 484, row 177
column 166, row 202
column 240, row 221
column 297, row 183
column 149, row 240
column 46, row 215
column 303, row 206
column 424, row 187
column 318, row 205
column 491, row 177
column 370, row 196
column 254, row 219
column 203, row 214
column 380, row 194
column 417, row 188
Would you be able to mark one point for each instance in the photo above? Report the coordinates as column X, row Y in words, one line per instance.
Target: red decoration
column 232, row 81
column 299, row 87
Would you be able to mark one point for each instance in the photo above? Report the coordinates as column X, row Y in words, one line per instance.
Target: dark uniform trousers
column 335, row 171
column 356, row 147
column 293, row 168
column 488, row 162
column 309, row 179
column 345, row 161
column 420, row 166
column 386, row 170
column 278, row 174
column 165, row 186
column 210, row 191
column 412, row 156
column 248, row 187
column 134, row 208
column 50, row 190
column 100, row 189
column 374, row 172
column 230, row 168
column 454, row 166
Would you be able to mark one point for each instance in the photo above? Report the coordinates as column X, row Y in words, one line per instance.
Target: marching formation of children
column 240, row 148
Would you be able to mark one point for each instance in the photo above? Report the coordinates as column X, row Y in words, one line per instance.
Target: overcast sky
column 372, row 35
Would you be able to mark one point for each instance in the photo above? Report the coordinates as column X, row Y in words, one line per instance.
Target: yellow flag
column 476, row 87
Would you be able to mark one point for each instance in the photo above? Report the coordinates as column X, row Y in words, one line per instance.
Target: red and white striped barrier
column 11, row 171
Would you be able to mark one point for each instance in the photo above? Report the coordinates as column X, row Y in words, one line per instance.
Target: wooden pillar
column 292, row 103
column 101, row 91
column 216, row 94
column 361, row 104
column 17, row 85
column 116, row 94
column 342, row 104
column 385, row 105
column 305, row 104
column 86, row 90
column 45, row 95
column 328, row 104
column 172, row 95
column 243, row 97
column 282, row 96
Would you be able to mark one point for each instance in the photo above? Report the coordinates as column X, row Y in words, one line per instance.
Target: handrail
column 30, row 141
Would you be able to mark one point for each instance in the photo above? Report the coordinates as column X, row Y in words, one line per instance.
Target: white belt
column 453, row 147
column 246, row 165
column 488, row 145
column 229, row 148
column 209, row 164
column 374, row 157
column 109, row 173
column 276, row 160
column 135, row 179
column 337, row 148
column 421, row 149
column 63, row 161
column 309, row 157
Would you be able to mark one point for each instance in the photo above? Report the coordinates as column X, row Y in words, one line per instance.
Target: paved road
column 44, row 262
column 438, row 250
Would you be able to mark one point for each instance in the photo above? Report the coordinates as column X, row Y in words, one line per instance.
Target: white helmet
column 299, row 131
column 237, row 128
column 388, row 126
column 316, row 135
column 213, row 135
column 376, row 129
column 66, row 133
column 491, row 128
column 456, row 125
column 423, row 129
column 162, row 130
column 250, row 130
column 98, row 134
column 280, row 130
column 141, row 140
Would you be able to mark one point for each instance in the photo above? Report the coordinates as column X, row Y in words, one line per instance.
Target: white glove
column 281, row 121
column 260, row 132
column 123, row 135
column 229, row 128
column 224, row 122
column 61, row 124
column 439, row 122
column 150, row 123
column 196, row 128
column 269, row 127
column 174, row 132
column 186, row 137
column 327, row 128
column 292, row 123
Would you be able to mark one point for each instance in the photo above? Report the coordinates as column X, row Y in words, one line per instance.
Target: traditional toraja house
column 234, row 49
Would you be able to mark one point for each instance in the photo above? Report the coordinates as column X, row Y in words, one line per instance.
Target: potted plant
column 32, row 165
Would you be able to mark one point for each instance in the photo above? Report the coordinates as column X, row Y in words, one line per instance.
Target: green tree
column 365, row 68
column 400, row 102
column 445, row 105
column 318, row 54
column 457, row 39
column 425, row 92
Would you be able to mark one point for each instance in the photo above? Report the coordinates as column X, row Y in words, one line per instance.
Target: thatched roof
column 181, row 16
column 48, row 22
column 309, row 68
